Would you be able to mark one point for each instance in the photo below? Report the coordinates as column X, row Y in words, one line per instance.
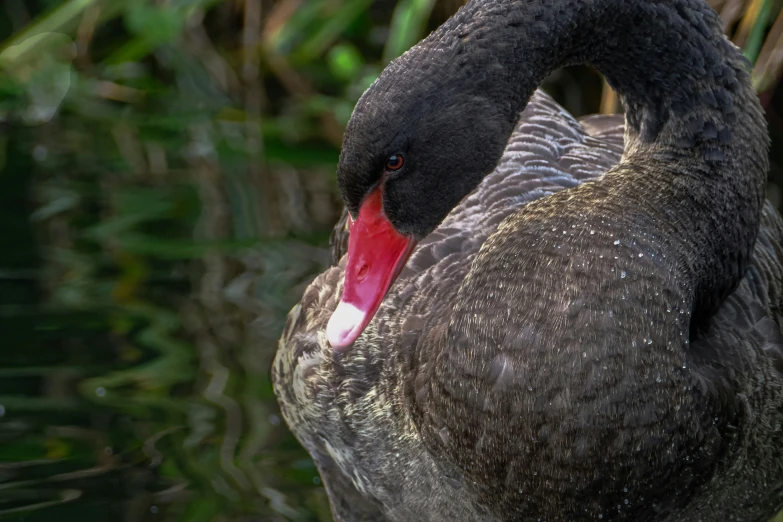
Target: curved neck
column 668, row 59
column 695, row 134
column 586, row 296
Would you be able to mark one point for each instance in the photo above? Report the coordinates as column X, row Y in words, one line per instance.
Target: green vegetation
column 168, row 190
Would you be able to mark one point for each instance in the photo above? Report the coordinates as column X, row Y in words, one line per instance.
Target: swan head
column 419, row 140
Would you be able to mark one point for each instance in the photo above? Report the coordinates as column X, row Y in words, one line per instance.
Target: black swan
column 542, row 319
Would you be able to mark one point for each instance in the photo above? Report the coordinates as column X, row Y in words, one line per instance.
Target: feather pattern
column 365, row 415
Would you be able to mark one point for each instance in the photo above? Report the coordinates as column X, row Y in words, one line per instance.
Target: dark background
column 167, row 190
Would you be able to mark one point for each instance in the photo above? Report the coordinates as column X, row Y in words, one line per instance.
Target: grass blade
column 407, row 26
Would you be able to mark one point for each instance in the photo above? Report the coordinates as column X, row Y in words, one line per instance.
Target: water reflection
column 99, row 427
column 136, row 387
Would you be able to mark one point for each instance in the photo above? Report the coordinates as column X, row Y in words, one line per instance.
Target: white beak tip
column 345, row 325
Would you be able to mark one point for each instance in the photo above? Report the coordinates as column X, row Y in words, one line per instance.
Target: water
column 90, row 431
column 137, row 388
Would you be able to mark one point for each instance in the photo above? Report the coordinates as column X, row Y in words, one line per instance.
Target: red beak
column 377, row 253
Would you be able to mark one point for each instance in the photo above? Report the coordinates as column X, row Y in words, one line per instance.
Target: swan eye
column 395, row 162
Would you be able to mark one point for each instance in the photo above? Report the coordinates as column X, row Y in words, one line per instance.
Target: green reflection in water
column 134, row 383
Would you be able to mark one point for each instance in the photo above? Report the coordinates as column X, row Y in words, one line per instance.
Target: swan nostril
column 362, row 273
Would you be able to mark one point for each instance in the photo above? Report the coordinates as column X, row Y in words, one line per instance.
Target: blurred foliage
column 168, row 191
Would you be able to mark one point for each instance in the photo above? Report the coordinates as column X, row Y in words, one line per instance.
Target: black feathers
column 575, row 338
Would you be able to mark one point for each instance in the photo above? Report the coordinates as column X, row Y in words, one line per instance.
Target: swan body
column 589, row 325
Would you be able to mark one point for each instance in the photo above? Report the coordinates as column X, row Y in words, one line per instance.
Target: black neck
column 668, row 59
column 693, row 120
column 547, row 303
